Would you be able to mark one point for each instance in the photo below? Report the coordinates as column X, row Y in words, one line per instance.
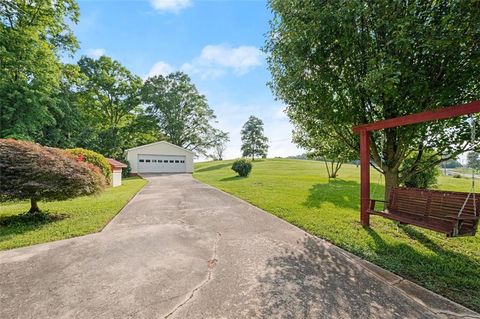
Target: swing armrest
column 372, row 202
column 462, row 217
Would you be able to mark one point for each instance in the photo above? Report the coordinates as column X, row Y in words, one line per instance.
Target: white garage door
column 161, row 164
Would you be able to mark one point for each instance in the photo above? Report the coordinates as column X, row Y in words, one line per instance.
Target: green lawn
column 80, row 216
column 299, row 192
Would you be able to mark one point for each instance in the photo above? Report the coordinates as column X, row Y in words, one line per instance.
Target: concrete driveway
column 182, row 249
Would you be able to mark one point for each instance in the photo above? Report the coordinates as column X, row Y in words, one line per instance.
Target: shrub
column 457, row 175
column 242, row 167
column 426, row 178
column 30, row 171
column 94, row 158
column 127, row 170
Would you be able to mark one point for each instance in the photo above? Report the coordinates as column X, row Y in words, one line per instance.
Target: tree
column 424, row 179
column 72, row 125
column 254, row 142
column 33, row 34
column 111, row 94
column 30, row 171
column 452, row 163
column 324, row 144
column 181, row 112
column 360, row 62
column 220, row 145
column 473, row 160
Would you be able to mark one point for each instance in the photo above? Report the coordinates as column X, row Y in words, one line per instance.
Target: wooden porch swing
column 452, row 213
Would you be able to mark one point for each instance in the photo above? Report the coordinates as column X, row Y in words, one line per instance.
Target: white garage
column 160, row 157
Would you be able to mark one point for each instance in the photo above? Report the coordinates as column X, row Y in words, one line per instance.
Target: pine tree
column 254, row 142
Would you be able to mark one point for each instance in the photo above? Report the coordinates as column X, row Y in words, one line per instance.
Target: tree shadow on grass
column 314, row 280
column 445, row 271
column 232, row 178
column 341, row 193
column 22, row 223
column 28, row 219
column 213, row 167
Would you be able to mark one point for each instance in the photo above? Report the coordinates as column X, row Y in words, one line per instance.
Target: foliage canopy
column 30, row 171
column 336, row 66
column 181, row 112
column 254, row 142
column 32, row 36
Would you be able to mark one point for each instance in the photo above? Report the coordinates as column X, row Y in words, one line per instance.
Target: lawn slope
column 80, row 216
column 299, row 192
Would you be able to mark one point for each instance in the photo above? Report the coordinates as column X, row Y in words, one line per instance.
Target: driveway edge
column 435, row 303
column 110, row 222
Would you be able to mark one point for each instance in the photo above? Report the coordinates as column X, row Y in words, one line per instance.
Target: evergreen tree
column 254, row 142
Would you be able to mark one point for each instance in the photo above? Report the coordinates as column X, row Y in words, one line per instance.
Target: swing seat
column 431, row 209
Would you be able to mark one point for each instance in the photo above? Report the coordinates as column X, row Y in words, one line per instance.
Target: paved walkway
column 182, row 249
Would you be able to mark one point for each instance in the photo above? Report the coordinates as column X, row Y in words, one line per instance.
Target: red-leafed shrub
column 31, row 171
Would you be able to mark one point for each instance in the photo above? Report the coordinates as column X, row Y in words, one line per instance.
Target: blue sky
column 216, row 42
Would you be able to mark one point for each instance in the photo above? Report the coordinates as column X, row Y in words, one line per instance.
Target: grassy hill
column 298, row 191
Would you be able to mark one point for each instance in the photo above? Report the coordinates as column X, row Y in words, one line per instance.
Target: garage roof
column 160, row 142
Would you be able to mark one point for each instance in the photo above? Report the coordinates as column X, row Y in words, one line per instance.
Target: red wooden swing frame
column 364, row 132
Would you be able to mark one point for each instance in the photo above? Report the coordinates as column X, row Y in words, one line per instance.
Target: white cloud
column 204, row 72
column 216, row 60
column 241, row 59
column 96, row 53
column 280, row 113
column 174, row 6
column 160, row 68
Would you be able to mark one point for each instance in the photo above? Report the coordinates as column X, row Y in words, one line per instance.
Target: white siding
column 159, row 149
column 116, row 177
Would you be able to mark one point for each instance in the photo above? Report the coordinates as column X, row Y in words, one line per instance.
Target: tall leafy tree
column 181, row 112
column 72, row 125
column 111, row 94
column 358, row 62
column 254, row 142
column 33, row 34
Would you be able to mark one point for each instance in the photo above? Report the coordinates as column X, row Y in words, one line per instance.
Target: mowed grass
column 299, row 192
column 76, row 217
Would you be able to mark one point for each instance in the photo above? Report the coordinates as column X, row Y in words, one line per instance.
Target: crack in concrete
column 212, row 262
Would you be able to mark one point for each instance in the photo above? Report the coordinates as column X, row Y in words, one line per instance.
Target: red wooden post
column 365, row 129
column 364, row 177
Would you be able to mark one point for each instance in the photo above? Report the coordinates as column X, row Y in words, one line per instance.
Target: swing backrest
column 434, row 208
column 410, row 201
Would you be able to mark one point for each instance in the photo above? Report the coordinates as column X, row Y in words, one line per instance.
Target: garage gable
column 163, row 146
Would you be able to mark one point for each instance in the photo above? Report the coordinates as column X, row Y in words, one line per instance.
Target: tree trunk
column 33, row 207
column 391, row 180
column 328, row 169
